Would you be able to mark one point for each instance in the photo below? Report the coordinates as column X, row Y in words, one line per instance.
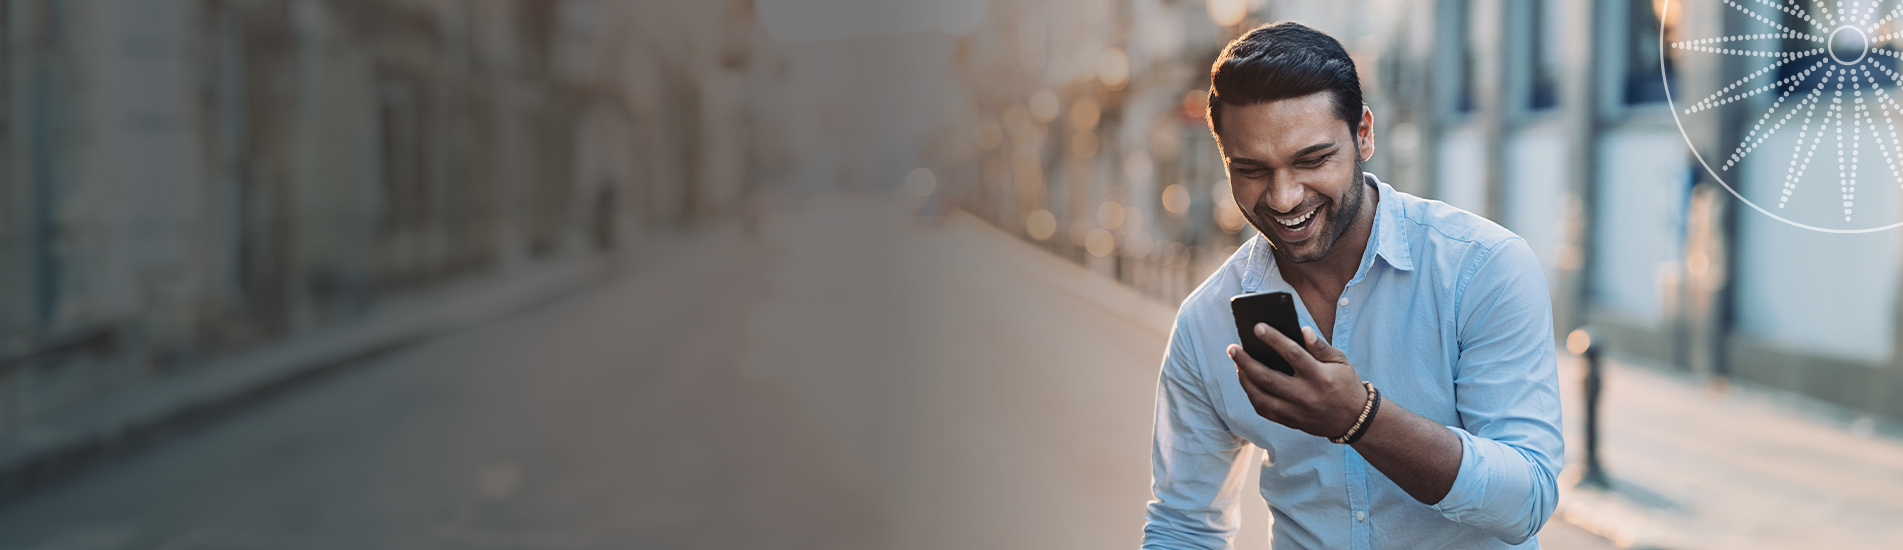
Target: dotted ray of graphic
column 1821, row 74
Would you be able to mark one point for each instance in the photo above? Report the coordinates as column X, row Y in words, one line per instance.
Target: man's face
column 1295, row 170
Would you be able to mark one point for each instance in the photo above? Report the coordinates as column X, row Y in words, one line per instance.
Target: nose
column 1284, row 194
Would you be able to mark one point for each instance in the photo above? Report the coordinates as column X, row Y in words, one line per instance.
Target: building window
column 1543, row 55
column 1644, row 78
column 1465, row 96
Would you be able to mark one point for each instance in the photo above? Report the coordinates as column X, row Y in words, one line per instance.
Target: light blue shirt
column 1449, row 316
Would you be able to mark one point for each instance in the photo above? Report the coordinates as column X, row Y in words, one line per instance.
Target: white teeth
column 1296, row 221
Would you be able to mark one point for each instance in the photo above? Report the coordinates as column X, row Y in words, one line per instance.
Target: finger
column 1292, row 352
column 1320, row 349
column 1266, row 377
column 1265, row 403
column 1257, row 375
column 1243, row 371
column 1272, row 408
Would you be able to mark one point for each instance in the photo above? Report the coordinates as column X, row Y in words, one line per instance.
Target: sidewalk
column 64, row 442
column 1696, row 467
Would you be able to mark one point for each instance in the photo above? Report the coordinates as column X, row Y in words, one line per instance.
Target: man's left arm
column 1507, row 394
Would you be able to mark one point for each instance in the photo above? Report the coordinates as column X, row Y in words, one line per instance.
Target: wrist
column 1369, row 407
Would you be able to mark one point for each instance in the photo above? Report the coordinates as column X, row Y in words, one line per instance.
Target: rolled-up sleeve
column 1198, row 466
column 1507, row 388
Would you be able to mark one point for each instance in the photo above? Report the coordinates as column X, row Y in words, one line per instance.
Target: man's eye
column 1314, row 162
column 1252, row 173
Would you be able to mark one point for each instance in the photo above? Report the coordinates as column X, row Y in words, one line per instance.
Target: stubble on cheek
column 1329, row 221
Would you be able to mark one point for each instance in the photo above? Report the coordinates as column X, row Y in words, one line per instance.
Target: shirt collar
column 1389, row 236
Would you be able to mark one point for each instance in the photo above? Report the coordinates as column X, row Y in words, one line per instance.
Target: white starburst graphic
column 1827, row 80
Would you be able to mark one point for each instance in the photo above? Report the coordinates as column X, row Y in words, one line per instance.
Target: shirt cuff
column 1491, row 490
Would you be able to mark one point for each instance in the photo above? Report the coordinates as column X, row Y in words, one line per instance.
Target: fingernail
column 1261, row 329
column 1231, row 350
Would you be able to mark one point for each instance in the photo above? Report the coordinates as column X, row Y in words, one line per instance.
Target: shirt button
column 1360, row 515
column 1343, row 301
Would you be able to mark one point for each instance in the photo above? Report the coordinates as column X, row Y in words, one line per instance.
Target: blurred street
column 866, row 273
column 1699, row 466
column 723, row 392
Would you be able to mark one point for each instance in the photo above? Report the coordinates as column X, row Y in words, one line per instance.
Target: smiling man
column 1423, row 411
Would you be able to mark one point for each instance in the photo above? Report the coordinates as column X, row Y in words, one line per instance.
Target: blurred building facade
column 184, row 178
column 1083, row 133
column 181, row 179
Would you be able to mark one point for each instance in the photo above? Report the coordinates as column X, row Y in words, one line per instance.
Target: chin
column 1303, row 253
column 1308, row 250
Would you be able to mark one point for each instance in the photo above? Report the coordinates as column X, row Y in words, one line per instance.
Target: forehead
column 1277, row 129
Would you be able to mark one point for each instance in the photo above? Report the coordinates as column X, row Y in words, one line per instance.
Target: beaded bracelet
column 1367, row 412
column 1372, row 412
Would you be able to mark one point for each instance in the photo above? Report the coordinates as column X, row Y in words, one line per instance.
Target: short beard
column 1338, row 223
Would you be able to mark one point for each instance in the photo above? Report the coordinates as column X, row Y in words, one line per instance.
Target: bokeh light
column 987, row 135
column 1228, row 214
column 1229, row 218
column 1228, row 13
column 1195, row 104
column 1113, row 69
column 1138, row 166
column 1100, row 243
column 1084, row 144
column 1085, row 114
column 1079, row 230
column 1110, row 215
column 1044, row 106
column 1176, row 198
column 921, row 181
column 1578, row 341
column 1040, row 224
column 1139, row 244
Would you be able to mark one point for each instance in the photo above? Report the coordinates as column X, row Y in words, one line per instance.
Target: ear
column 1364, row 137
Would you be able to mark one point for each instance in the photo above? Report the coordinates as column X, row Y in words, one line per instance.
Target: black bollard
column 1595, row 474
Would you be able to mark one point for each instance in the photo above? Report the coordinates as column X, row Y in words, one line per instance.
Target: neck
column 1337, row 267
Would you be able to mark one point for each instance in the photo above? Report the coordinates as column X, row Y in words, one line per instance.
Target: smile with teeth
column 1297, row 221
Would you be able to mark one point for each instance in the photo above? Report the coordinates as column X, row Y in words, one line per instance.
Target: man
column 1454, row 439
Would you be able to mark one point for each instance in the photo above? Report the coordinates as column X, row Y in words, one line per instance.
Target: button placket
column 1358, row 501
column 1343, row 319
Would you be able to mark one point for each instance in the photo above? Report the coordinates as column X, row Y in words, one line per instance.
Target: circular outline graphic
column 1667, row 84
column 1832, row 40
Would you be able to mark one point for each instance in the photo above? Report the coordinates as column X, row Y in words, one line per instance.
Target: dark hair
column 1280, row 61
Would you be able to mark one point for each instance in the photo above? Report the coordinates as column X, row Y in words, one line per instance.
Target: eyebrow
column 1313, row 148
column 1306, row 151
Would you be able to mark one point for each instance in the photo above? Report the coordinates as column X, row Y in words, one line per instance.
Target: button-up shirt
column 1448, row 314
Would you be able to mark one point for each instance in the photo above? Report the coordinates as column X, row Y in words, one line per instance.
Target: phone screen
column 1275, row 308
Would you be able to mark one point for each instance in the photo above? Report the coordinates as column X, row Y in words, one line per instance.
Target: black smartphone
column 1275, row 308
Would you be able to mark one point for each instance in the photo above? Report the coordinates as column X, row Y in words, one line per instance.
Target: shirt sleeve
column 1198, row 466
column 1507, row 388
